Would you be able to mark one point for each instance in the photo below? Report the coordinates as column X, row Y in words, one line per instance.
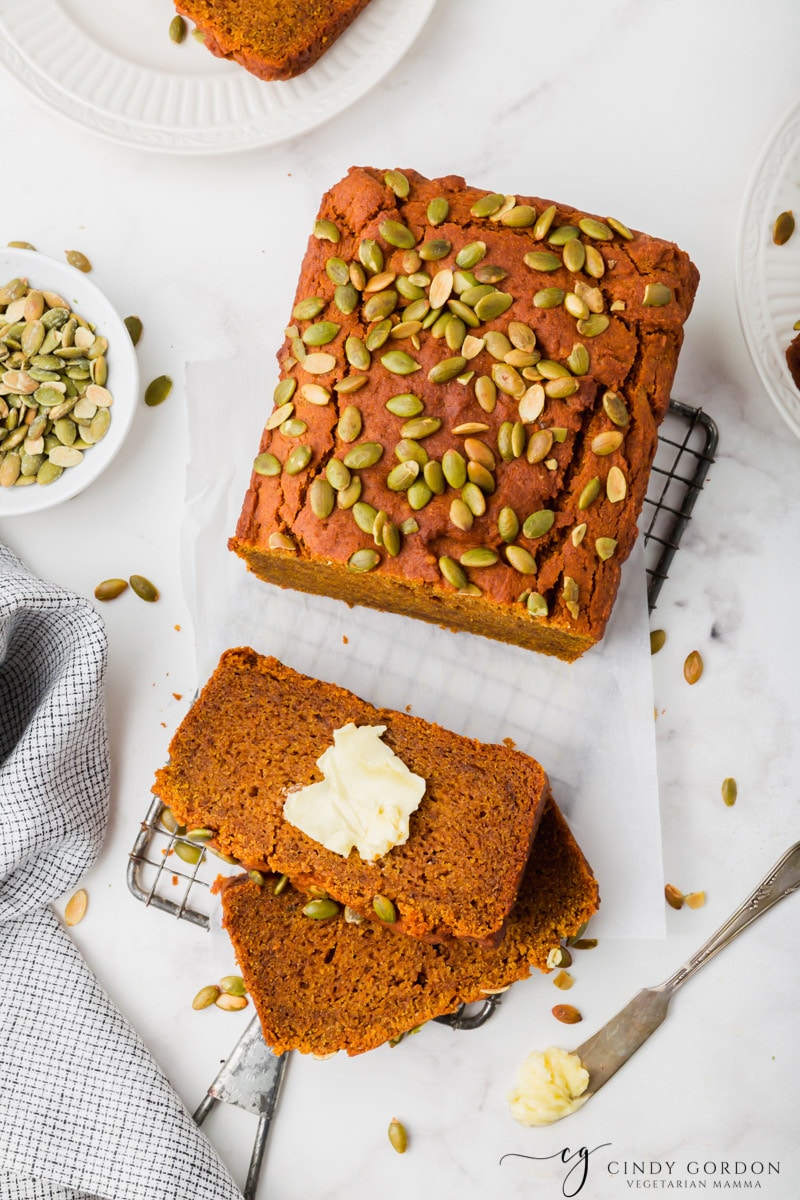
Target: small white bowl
column 85, row 298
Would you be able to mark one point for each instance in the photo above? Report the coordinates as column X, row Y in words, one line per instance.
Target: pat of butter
column 550, row 1085
column 365, row 799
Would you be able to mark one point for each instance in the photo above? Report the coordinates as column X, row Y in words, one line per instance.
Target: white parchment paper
column 589, row 723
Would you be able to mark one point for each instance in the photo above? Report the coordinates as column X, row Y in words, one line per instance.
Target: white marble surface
column 655, row 112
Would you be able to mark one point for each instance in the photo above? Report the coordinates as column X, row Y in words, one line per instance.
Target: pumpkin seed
column 380, row 305
column 157, row 391
column 357, row 354
column 323, row 910
column 391, row 539
column 492, row 306
column 406, row 449
column 284, row 392
column 454, row 333
column 607, row 442
column 595, row 229
column 729, row 790
column 230, row 1003
column 65, row 456
column 319, row 363
column 266, row 464
column 563, row 234
column 20, row 245
column 398, row 183
column 419, row 494
column 384, row 909
column 595, row 264
column 542, row 226
column 454, row 468
column 143, row 588
column 474, row 498
column 521, row 216
column 447, row 369
column 460, row 515
column 576, row 307
column 508, row 380
column 441, row 288
column 364, row 516
column 605, row 547
column 408, row 289
column 177, row 29
column 521, row 560
column 337, row 474
column 657, row 639
column 539, row 523
column 536, row 605
column 76, row 907
column 615, row 408
column 109, row 589
column 452, row 572
column 434, row 477
column 434, row 249
column 479, row 475
column 364, row 455
column 578, row 534
column 619, row 228
column 362, row 561
column 486, row 393
column 77, row 260
column 616, row 485
column 405, row 405
column 48, row 472
column 532, row 403
column 206, row 996
column 783, row 228
column 578, row 360
column 307, row 309
column 298, row 460
column 347, row 497
column 397, row 234
column 400, row 363
column 470, row 255
column 589, row 494
column 326, row 231
column 398, row 1138
column 693, row 667
column 504, row 441
column 409, row 526
column 549, row 297
column 656, row 295
column 322, row 498
column 464, row 312
column 479, row 556
column 542, row 260
column 401, row 477
column 438, row 211
column 561, row 388
column 487, row 205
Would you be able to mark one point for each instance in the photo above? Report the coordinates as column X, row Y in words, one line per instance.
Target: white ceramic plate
column 768, row 276
column 48, row 274
column 110, row 66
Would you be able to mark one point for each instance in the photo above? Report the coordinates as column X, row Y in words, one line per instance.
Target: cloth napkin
column 85, row 1112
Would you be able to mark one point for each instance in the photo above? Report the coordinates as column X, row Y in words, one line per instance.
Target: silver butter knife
column 604, row 1053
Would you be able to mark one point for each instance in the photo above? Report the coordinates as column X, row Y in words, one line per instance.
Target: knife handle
column 780, row 881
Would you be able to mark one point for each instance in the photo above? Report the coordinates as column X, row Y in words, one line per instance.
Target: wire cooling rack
column 169, row 872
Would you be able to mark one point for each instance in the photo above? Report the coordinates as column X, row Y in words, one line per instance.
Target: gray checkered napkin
column 84, row 1109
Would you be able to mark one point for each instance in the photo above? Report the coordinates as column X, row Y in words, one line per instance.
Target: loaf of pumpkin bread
column 470, row 391
column 273, row 39
column 255, row 735
column 325, row 985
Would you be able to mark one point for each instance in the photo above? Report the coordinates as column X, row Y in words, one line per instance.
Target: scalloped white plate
column 109, row 66
column 768, row 276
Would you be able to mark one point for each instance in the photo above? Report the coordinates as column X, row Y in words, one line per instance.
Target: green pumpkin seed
column 337, row 474
column 409, row 526
column 298, row 460
column 189, row 854
column 400, row 363
column 77, row 260
column 474, row 498
column 490, row 307
column 384, row 909
column 783, row 228
column 454, row 468
column 157, row 391
column 266, row 464
column 447, row 369
column 405, row 405
column 578, row 360
column 321, row 333
column 398, row 1137
column 619, row 228
column 656, row 295
column 729, row 789
column 323, row 910
column 397, row 234
column 452, row 572
column 294, row 427
column 20, row 245
column 589, row 494
column 561, row 388
column 578, row 534
column 508, row 380
column 574, row 255
column 536, row 605
column 605, row 547
column 346, row 298
column 438, row 211
column 615, row 409
column 595, row 324
column 562, row 235
column 397, row 182
column 100, row 424
column 349, row 426
column 419, row 494
column 507, row 524
column 338, row 272
column 109, row 589
column 460, row 515
column 380, row 305
column 464, row 311
column 616, row 485
column 363, row 561
column 486, row 393
column 504, row 441
column 357, row 354
column 370, row 256
column 434, row 249
column 521, row 216
column 521, row 560
column 479, row 556
column 607, row 442
column 455, row 333
column 401, row 477
column 364, row 516
column 391, row 539
column 489, row 273
column 470, row 255
column 420, row 427
column 322, row 498
column 595, row 229
column 284, row 392
column 364, row 455
column 487, row 205
column 48, row 472
column 542, row 260
column 406, row 450
column 307, row 309
column 542, row 226
column 143, row 588
column 539, row 446
column 434, row 477
column 65, row 456
column 549, row 297
column 326, row 231
column 472, row 295
column 408, row 289
column 319, row 363
column 595, row 263
column 539, row 523
column 315, row 394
